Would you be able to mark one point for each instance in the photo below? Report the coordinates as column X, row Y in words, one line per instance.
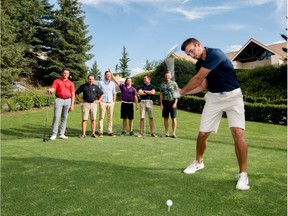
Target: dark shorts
column 127, row 111
column 167, row 108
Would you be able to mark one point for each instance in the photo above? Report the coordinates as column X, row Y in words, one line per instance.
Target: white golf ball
column 169, row 203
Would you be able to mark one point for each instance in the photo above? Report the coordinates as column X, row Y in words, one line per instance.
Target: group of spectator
column 104, row 95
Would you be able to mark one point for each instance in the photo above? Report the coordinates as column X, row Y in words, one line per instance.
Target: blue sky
column 148, row 28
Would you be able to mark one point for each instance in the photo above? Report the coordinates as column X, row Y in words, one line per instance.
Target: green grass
column 135, row 176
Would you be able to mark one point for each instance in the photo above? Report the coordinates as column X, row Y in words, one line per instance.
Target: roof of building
column 252, row 46
column 253, row 49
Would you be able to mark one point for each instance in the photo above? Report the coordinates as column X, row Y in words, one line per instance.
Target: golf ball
column 169, row 203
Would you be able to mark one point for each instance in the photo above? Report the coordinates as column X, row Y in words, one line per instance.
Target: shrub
column 24, row 100
column 12, row 104
column 266, row 81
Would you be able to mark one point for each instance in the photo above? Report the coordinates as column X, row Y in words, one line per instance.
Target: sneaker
column 63, row 136
column 83, row 136
column 93, row 135
column 100, row 135
column 174, row 136
column 165, row 135
column 131, row 133
column 153, row 135
column 140, row 135
column 123, row 133
column 53, row 137
column 111, row 134
column 243, row 181
column 193, row 167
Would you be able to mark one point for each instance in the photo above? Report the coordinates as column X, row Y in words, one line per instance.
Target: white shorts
column 216, row 103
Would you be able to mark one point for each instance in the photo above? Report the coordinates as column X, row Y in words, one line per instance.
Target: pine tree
column 124, row 64
column 12, row 61
column 95, row 71
column 149, row 66
column 29, row 19
column 69, row 44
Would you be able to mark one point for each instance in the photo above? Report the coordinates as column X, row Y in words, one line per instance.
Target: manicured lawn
column 135, row 176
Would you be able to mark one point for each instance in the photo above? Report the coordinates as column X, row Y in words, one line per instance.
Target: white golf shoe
column 193, row 167
column 243, row 181
column 53, row 137
column 63, row 137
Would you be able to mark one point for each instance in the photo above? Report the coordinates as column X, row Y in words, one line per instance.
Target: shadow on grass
column 34, row 131
column 49, row 186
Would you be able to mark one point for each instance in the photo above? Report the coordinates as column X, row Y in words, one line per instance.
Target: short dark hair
column 65, row 69
column 188, row 41
column 90, row 75
column 147, row 75
column 108, row 71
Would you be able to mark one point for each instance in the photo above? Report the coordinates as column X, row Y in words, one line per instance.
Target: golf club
column 45, row 139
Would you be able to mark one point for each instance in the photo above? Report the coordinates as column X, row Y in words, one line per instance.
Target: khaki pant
column 109, row 107
column 89, row 109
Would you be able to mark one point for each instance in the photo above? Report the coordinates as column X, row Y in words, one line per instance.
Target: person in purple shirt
column 129, row 95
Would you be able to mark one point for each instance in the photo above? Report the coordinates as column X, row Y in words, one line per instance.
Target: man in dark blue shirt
column 146, row 92
column 92, row 95
column 217, row 75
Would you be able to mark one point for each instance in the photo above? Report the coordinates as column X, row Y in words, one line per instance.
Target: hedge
column 267, row 113
column 259, row 112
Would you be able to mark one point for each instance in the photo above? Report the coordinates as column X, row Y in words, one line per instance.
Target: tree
column 69, row 43
column 116, row 68
column 124, row 64
column 95, row 71
column 30, row 18
column 12, row 61
column 149, row 66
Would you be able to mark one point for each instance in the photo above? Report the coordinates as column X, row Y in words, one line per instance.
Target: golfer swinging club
column 216, row 73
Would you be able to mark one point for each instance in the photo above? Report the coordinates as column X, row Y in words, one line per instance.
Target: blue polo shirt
column 108, row 88
column 147, row 88
column 222, row 77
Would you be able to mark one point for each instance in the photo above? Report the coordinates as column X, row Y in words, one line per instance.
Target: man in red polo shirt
column 65, row 95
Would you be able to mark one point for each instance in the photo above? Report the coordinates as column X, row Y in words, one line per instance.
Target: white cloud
column 185, row 1
column 136, row 70
column 229, row 27
column 201, row 12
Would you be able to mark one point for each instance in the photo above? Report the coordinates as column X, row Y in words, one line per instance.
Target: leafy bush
column 266, row 81
column 27, row 100
column 12, row 104
column 24, row 100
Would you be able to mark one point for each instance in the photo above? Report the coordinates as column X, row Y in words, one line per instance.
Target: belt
column 89, row 101
column 127, row 102
column 146, row 100
column 238, row 90
column 63, row 98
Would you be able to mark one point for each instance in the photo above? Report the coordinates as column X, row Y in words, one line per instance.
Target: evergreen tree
column 29, row 19
column 69, row 44
column 95, row 71
column 124, row 64
column 12, row 61
column 149, row 66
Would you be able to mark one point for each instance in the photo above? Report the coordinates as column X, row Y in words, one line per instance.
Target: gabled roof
column 254, row 50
